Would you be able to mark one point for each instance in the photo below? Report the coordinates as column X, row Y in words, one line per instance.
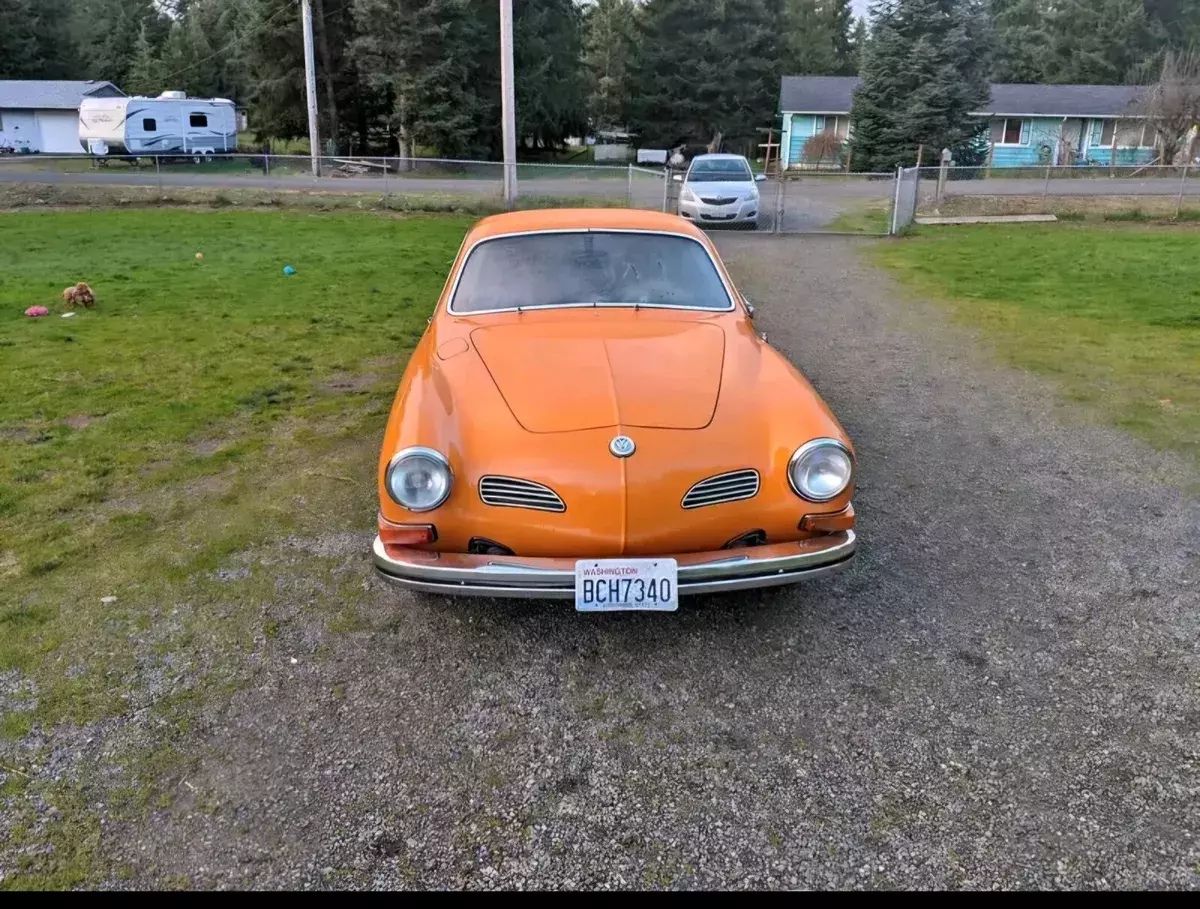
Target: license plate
column 613, row 585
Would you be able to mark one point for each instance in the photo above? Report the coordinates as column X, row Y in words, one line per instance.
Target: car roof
column 724, row 156
column 550, row 219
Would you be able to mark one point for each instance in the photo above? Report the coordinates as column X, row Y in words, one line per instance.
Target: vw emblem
column 621, row 447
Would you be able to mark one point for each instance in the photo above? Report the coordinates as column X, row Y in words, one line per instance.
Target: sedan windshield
column 589, row 268
column 720, row 170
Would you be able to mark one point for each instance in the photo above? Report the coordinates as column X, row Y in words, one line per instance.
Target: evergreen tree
column 1098, row 41
column 923, row 72
column 1022, row 40
column 707, row 71
column 609, row 50
column 106, row 34
column 810, row 41
column 274, row 59
column 550, row 92
column 842, row 28
column 146, row 71
column 34, row 41
column 426, row 58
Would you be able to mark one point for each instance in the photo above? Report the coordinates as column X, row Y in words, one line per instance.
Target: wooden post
column 920, row 154
column 1112, row 165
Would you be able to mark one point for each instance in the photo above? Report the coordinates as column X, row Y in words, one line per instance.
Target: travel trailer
column 171, row 124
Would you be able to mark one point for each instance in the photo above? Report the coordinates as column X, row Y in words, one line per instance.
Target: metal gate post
column 629, row 187
column 896, row 201
column 1046, row 189
column 666, row 186
column 1182, row 186
column 267, row 174
column 158, row 174
column 385, row 183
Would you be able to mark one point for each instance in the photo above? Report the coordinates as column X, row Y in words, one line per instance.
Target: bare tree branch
column 1172, row 105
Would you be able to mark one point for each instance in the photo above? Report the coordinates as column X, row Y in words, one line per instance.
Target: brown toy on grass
column 79, row 295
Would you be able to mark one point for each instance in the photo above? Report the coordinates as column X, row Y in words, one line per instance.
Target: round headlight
column 419, row 479
column 821, row 470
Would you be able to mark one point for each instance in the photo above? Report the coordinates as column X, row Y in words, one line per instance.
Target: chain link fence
column 412, row 183
column 1066, row 192
column 794, row 202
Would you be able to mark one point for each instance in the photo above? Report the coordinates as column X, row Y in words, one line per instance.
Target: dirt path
column 1002, row 691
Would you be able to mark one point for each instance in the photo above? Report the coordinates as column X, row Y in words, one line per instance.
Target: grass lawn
column 203, row 406
column 1111, row 313
column 867, row 218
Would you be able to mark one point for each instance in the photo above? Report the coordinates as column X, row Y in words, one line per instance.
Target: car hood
column 723, row 190
column 572, row 375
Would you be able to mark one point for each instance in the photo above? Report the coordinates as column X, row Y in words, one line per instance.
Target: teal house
column 1028, row 125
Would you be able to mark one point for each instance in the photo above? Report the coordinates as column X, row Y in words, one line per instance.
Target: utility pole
column 508, row 103
column 310, row 87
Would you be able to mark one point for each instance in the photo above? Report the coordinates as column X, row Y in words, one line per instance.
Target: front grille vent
column 509, row 492
column 719, row 200
column 725, row 487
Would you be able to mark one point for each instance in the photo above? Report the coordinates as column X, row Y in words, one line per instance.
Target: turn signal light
column 829, row 523
column 406, row 534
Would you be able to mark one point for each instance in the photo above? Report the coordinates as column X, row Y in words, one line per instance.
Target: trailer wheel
column 197, row 159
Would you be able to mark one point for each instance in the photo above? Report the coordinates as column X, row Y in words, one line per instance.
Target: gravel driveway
column 1003, row 691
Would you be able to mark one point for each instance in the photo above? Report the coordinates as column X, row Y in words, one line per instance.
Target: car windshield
column 719, row 170
column 588, row 268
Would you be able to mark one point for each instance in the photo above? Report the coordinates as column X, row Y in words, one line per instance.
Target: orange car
column 591, row 415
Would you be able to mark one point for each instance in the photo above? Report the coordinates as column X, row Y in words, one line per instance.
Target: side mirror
column 678, row 178
column 760, row 178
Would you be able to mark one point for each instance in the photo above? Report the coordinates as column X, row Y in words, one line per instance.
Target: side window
column 1103, row 132
column 1015, row 132
column 199, row 121
column 149, row 125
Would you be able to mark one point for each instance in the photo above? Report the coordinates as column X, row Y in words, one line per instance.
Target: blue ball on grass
column 288, row 270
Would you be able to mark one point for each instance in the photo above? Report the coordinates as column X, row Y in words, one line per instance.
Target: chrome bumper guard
column 538, row 578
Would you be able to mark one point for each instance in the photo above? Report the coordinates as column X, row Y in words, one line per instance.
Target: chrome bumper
column 699, row 572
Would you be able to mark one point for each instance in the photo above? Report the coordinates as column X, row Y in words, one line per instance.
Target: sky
column 860, row 7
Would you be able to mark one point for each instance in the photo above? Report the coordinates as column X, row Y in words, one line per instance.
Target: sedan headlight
column 419, row 479
column 686, row 195
column 821, row 470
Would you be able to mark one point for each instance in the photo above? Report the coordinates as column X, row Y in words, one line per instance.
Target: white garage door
column 60, row 132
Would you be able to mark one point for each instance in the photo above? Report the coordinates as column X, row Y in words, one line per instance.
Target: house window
column 1014, row 132
column 149, row 125
column 200, row 121
column 839, row 126
column 1103, row 132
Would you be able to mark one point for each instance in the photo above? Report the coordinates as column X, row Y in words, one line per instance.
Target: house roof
column 817, row 94
column 43, row 94
column 835, row 95
column 1065, row 100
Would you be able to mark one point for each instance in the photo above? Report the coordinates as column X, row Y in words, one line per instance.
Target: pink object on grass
column 35, row 311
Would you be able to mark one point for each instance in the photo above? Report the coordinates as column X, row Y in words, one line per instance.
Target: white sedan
column 720, row 190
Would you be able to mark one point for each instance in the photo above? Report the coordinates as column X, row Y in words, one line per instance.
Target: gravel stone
column 1003, row 691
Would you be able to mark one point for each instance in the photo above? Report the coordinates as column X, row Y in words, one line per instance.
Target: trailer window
column 149, row 125
column 199, row 120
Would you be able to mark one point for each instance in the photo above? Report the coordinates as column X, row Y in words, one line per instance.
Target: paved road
column 1001, row 692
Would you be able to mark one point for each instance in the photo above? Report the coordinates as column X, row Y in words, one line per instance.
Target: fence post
column 385, row 183
column 943, row 176
column 666, row 185
column 267, row 174
column 629, row 187
column 777, row 227
column 158, row 174
column 1182, row 186
column 896, row 201
column 1046, row 189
